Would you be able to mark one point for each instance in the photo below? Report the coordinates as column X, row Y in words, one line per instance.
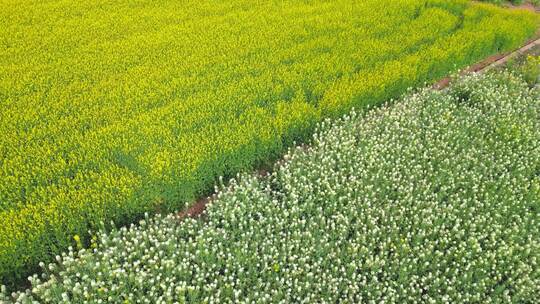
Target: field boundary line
column 490, row 62
column 512, row 55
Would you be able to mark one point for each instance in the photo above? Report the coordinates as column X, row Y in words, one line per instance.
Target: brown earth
column 526, row 6
column 492, row 62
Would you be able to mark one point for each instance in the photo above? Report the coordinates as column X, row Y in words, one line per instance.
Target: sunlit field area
column 433, row 199
column 113, row 109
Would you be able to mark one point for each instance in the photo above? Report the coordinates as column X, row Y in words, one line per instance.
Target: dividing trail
column 514, row 54
column 491, row 62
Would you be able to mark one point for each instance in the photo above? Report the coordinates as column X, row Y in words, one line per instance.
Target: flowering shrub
column 434, row 199
column 110, row 109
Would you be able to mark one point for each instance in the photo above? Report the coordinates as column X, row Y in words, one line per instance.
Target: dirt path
column 526, row 6
column 491, row 62
column 521, row 51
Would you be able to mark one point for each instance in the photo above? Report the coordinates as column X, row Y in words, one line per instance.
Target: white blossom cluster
column 434, row 199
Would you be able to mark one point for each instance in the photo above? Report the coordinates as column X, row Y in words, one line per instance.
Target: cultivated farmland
column 110, row 109
column 432, row 200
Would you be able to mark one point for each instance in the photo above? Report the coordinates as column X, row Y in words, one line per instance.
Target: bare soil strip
column 525, row 6
column 517, row 53
column 491, row 62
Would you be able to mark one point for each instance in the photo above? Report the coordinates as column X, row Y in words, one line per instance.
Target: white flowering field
column 435, row 199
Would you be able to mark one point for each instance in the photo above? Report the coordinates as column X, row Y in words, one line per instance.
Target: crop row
column 434, row 199
column 114, row 109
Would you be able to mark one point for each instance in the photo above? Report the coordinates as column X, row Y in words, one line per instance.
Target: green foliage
column 530, row 70
column 434, row 199
column 111, row 109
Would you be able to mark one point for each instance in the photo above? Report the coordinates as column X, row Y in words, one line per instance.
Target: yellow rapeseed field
column 110, row 109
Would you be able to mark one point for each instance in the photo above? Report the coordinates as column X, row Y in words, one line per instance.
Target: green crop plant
column 529, row 69
column 110, row 109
